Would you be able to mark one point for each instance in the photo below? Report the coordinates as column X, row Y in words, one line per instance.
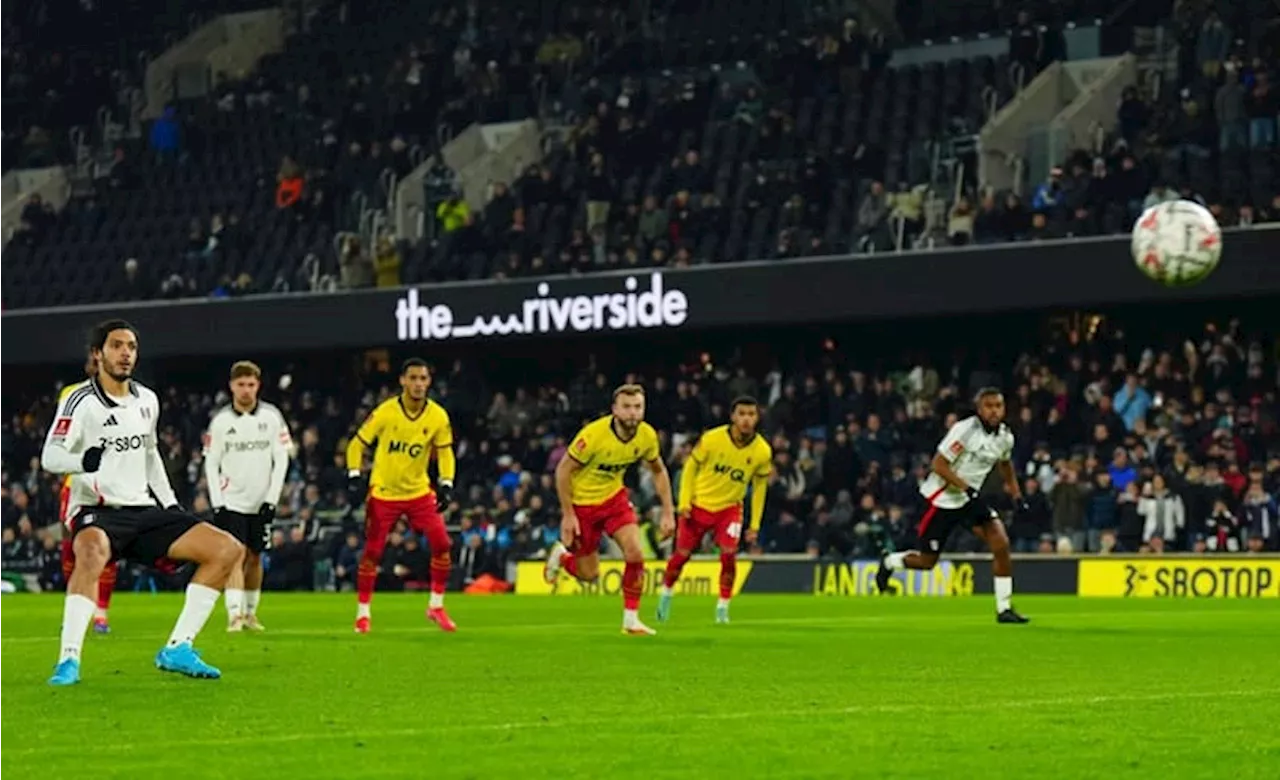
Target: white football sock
column 896, row 560
column 630, row 617
column 99, row 614
column 722, row 603
column 436, row 601
column 77, row 614
column 1004, row 593
column 199, row 604
column 235, row 602
column 362, row 611
column 251, row 599
column 666, row 591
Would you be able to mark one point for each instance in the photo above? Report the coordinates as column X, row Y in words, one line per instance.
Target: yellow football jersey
column 403, row 446
column 605, row 459
column 719, row 471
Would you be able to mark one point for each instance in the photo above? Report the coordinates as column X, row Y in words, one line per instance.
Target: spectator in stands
column 289, row 183
column 1016, row 221
column 1212, row 45
column 1032, row 522
column 1192, row 133
column 599, row 193
column 1263, row 107
column 1230, row 110
column 1260, row 518
column 131, row 285
column 1163, row 512
column 1026, row 46
column 1223, row 529
column 356, row 269
column 1133, row 115
column 908, row 209
column 1100, row 509
column 1132, row 401
column 1068, row 498
column 165, row 139
column 453, row 213
column 1049, row 195
column 386, row 263
column 873, row 213
column 960, row 223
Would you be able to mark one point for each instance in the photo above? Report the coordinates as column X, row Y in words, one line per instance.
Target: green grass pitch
column 547, row 687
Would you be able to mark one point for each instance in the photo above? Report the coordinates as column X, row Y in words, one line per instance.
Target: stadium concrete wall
column 1197, row 577
column 986, row 279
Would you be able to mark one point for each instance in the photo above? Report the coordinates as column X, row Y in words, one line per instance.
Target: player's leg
column 689, row 533
column 106, row 586
column 379, row 517
column 628, row 538
column 728, row 531
column 935, row 526
column 252, row 589
column 425, row 518
column 996, row 538
column 234, row 595
column 582, row 562
column 92, row 550
column 215, row 553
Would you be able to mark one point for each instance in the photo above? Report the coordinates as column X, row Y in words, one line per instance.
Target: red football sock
column 106, row 585
column 675, row 565
column 440, row 568
column 569, row 562
column 366, row 578
column 632, row 584
column 728, row 573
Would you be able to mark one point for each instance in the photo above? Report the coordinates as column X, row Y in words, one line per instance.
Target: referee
column 104, row 436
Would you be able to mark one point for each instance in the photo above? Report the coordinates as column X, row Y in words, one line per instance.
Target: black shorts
column 140, row 534
column 938, row 523
column 250, row 530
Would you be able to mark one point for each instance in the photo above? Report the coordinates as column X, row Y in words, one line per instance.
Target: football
column 1177, row 243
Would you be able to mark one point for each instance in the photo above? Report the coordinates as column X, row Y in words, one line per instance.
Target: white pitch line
column 921, row 620
column 736, row 715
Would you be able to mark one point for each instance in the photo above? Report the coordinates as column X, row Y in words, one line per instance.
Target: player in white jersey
column 104, row 435
column 965, row 457
column 246, row 457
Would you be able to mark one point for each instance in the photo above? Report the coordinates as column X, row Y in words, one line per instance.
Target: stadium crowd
column 1122, row 446
column 676, row 156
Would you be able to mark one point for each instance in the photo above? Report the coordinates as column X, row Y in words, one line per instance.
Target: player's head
column 113, row 348
column 628, row 407
column 246, row 381
column 744, row 415
column 989, row 403
column 415, row 378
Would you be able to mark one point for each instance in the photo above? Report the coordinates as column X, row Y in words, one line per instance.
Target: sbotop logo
column 655, row 307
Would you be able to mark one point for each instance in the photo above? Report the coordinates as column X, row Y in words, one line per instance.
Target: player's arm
column 213, row 465
column 279, row 462
column 759, row 489
column 950, row 448
column 689, row 478
column 157, row 476
column 363, row 439
column 1008, row 474
column 64, row 449
column 568, row 466
column 446, row 463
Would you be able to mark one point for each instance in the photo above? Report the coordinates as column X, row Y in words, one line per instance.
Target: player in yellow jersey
column 404, row 432
column 713, row 485
column 593, row 501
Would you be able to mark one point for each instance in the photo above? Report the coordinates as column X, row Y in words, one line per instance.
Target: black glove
column 444, row 495
column 355, row 488
column 91, row 459
column 267, row 512
column 972, row 493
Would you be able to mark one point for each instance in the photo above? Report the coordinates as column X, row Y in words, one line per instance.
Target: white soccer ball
column 1177, row 243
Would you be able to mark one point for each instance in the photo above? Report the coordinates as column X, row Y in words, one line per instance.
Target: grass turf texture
column 547, row 687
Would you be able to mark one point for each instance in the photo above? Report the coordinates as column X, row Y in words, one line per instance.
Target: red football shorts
column 599, row 519
column 726, row 525
column 382, row 514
